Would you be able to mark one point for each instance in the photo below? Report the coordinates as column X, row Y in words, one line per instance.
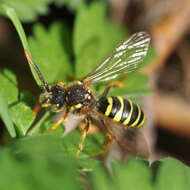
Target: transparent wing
column 125, row 59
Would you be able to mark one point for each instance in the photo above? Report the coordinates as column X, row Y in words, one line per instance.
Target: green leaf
column 22, row 116
column 8, row 95
column 8, row 86
column 93, row 144
column 26, row 96
column 10, row 13
column 151, row 55
column 134, row 174
column 172, row 174
column 89, row 165
column 11, row 109
column 135, row 81
column 37, row 163
column 134, row 87
column 28, row 10
column 133, row 84
column 50, row 48
column 39, row 127
column 5, row 116
column 100, row 180
column 71, row 4
column 94, row 37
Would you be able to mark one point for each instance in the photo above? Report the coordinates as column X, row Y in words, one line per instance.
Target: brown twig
column 167, row 33
column 172, row 113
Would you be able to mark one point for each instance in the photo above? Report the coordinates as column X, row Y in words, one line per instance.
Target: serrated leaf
column 6, row 117
column 8, row 95
column 89, row 165
column 94, row 42
column 12, row 110
column 8, row 86
column 22, row 116
column 38, row 163
column 134, row 174
column 135, row 80
column 94, row 15
column 100, row 180
column 40, row 126
column 133, row 85
column 172, row 174
column 27, row 98
column 50, row 52
column 93, row 144
column 28, row 10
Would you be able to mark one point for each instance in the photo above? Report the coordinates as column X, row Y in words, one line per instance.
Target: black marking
column 77, row 95
column 102, row 105
column 134, row 115
column 126, row 110
column 115, row 107
column 141, row 118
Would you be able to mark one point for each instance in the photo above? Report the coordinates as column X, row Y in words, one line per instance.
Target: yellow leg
column 109, row 140
column 84, row 132
column 58, row 123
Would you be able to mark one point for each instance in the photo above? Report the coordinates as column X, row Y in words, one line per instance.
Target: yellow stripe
column 78, row 106
column 119, row 113
column 142, row 122
column 46, row 105
column 130, row 114
column 138, row 117
column 109, row 108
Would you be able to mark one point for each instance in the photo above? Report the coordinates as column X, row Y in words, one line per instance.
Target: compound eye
column 56, row 108
column 44, row 100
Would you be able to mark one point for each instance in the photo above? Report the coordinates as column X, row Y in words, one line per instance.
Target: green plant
column 48, row 161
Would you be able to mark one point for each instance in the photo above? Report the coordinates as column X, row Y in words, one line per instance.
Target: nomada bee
column 78, row 98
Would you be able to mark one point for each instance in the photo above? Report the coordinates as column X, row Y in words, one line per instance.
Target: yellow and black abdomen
column 122, row 110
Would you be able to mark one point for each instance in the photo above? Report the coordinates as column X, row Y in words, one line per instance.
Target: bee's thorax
column 78, row 96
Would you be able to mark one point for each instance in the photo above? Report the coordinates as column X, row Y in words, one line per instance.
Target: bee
column 78, row 97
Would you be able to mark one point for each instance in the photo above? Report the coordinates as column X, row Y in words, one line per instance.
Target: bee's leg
column 57, row 123
column 109, row 138
column 118, row 84
column 84, row 131
column 36, row 109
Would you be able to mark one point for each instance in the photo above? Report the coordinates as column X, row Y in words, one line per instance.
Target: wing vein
column 126, row 58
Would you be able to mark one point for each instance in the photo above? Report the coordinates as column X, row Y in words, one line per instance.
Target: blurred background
column 168, row 106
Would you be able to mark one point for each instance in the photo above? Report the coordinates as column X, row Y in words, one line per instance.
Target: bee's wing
column 125, row 59
column 124, row 136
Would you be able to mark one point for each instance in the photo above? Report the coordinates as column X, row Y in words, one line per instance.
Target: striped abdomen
column 122, row 110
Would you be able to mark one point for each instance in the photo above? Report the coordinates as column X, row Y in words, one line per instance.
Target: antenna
column 35, row 67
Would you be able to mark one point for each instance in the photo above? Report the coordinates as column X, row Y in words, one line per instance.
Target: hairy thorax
column 78, row 96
